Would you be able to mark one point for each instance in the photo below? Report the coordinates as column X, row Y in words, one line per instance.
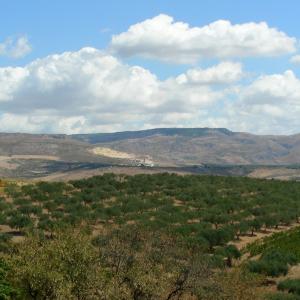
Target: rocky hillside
column 193, row 146
column 34, row 155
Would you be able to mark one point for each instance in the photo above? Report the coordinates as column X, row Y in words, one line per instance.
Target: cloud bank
column 92, row 90
column 89, row 90
column 164, row 39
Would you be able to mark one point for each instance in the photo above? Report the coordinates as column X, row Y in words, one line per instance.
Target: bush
column 6, row 289
column 279, row 256
column 282, row 296
column 290, row 285
column 64, row 267
column 4, row 237
column 272, row 263
column 270, row 268
column 20, row 221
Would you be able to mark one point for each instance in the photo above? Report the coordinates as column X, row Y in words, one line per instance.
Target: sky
column 89, row 66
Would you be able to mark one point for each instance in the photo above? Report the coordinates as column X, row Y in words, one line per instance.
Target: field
column 193, row 220
column 188, row 206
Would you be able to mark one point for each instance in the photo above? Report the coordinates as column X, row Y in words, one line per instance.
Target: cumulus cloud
column 276, row 89
column 15, row 48
column 89, row 90
column 223, row 73
column 92, row 91
column 270, row 104
column 164, row 39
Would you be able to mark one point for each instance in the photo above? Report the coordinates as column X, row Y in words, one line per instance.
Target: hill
column 31, row 155
column 188, row 146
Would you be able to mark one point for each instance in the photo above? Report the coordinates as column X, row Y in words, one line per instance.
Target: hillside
column 31, row 155
column 189, row 146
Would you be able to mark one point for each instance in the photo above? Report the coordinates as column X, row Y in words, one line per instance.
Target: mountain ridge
column 21, row 153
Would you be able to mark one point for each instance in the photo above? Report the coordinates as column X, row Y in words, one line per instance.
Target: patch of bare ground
column 5, row 163
column 16, row 235
column 276, row 173
column 108, row 152
column 193, row 221
column 9, row 162
column 178, row 202
column 38, row 157
column 98, row 229
column 131, row 222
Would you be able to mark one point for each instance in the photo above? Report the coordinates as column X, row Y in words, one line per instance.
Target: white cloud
column 89, row 90
column 270, row 104
column 295, row 59
column 15, row 48
column 10, row 78
column 223, row 73
column 164, row 39
column 274, row 89
column 92, row 91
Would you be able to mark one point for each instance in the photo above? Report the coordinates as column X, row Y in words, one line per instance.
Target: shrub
column 7, row 291
column 290, row 285
column 270, row 268
column 272, row 263
column 64, row 267
column 282, row 296
column 20, row 221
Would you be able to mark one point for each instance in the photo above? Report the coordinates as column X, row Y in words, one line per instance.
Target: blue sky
column 64, row 25
column 54, row 27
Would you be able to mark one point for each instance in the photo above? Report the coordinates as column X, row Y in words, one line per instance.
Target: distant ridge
column 161, row 146
column 123, row 135
column 196, row 146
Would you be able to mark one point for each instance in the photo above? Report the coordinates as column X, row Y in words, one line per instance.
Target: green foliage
column 170, row 232
column 208, row 210
column 288, row 242
column 64, row 267
column 7, row 291
column 282, row 296
column 290, row 285
column 272, row 263
column 230, row 252
column 20, row 221
column 121, row 264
